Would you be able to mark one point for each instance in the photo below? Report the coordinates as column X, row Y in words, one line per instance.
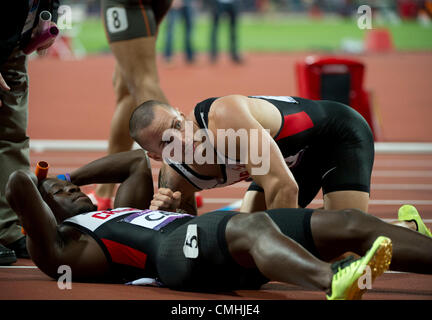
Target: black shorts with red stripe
column 326, row 145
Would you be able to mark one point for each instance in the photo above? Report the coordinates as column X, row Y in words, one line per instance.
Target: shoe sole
column 378, row 264
column 5, row 261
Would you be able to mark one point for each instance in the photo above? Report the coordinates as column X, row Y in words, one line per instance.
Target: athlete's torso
column 303, row 123
column 129, row 237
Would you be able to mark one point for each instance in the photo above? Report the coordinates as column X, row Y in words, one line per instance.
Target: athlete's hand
column 165, row 199
column 3, row 86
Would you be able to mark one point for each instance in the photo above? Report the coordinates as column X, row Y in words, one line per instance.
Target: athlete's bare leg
column 119, row 139
column 136, row 80
column 253, row 201
column 254, row 240
column 340, row 200
column 136, row 59
column 336, row 232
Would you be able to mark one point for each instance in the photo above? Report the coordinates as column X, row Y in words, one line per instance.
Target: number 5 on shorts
column 190, row 246
column 116, row 19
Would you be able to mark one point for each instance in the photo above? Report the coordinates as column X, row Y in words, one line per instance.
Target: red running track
column 74, row 100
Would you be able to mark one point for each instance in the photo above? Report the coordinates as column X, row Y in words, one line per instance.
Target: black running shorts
column 130, row 19
column 214, row 269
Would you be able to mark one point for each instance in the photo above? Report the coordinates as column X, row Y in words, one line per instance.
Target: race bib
column 116, row 19
column 154, row 220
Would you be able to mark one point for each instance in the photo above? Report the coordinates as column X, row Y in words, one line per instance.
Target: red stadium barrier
column 337, row 79
column 379, row 40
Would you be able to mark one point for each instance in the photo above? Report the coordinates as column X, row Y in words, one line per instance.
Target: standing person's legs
column 188, row 15
column 233, row 14
column 169, row 33
column 215, row 12
column 14, row 142
column 131, row 27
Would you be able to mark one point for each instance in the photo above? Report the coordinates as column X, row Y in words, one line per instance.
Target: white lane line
column 374, row 186
column 320, row 201
column 40, row 145
column 402, row 173
column 402, row 163
column 390, row 202
column 383, row 186
column 78, row 160
column 18, row 267
column 221, row 200
column 375, row 173
column 403, row 147
column 392, row 220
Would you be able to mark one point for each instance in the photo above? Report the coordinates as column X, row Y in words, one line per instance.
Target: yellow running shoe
column 345, row 284
column 409, row 213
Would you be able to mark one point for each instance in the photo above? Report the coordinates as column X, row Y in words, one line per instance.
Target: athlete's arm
column 172, row 186
column 114, row 168
column 131, row 169
column 43, row 240
column 49, row 247
column 261, row 154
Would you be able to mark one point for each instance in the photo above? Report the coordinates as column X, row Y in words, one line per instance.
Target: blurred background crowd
column 405, row 9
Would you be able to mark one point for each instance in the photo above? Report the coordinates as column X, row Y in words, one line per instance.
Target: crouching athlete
column 214, row 251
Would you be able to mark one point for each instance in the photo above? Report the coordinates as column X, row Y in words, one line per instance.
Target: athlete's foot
column 345, row 284
column 408, row 213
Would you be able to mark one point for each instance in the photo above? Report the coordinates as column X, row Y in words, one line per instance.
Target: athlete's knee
column 357, row 223
column 120, row 86
column 256, row 224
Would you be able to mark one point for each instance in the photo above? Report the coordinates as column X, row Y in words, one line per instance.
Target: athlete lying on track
column 214, row 251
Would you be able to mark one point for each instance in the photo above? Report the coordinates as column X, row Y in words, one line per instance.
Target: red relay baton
column 45, row 32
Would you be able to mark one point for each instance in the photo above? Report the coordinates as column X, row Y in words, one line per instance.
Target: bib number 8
column 116, row 19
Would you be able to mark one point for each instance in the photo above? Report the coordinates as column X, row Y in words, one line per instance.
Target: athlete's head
column 149, row 122
column 64, row 198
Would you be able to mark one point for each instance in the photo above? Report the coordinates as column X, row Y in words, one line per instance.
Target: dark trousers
column 187, row 13
column 217, row 10
column 14, row 142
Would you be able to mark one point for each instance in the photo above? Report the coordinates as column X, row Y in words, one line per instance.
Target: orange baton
column 41, row 170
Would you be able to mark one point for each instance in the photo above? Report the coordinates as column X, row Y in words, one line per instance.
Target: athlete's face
column 64, row 198
column 168, row 126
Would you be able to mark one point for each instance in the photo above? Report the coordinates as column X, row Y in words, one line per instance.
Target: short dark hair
column 143, row 116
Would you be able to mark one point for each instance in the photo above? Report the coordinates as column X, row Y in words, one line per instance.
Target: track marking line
column 18, row 267
column 40, row 145
column 320, row 201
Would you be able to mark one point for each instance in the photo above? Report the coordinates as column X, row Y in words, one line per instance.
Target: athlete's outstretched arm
column 262, row 156
column 114, row 168
column 36, row 217
column 131, row 169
